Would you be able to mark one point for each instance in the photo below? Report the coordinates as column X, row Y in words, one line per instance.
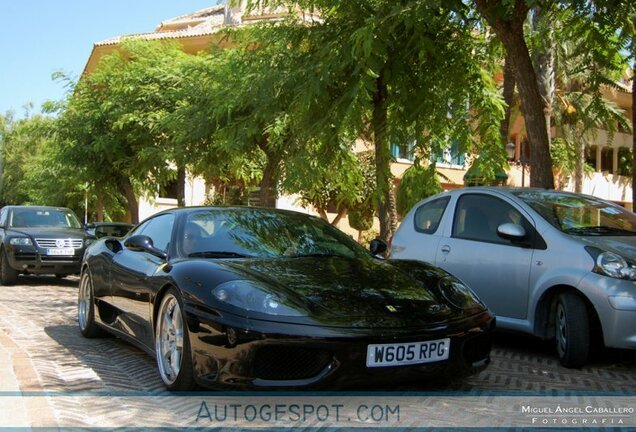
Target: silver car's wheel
column 572, row 331
column 86, row 308
column 172, row 345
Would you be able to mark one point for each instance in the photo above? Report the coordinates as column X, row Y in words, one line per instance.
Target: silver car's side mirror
column 510, row 231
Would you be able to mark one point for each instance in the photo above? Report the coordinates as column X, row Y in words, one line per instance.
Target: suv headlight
column 20, row 241
column 247, row 295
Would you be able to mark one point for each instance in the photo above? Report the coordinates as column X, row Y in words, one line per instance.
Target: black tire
column 166, row 336
column 86, row 308
column 572, row 330
column 8, row 275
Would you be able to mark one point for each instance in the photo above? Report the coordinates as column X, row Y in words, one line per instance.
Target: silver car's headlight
column 612, row 265
column 20, row 241
column 615, row 266
column 249, row 296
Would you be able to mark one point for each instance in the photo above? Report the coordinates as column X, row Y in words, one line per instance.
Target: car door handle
column 445, row 249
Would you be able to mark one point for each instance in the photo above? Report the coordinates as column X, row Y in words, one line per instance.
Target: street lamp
column 510, row 150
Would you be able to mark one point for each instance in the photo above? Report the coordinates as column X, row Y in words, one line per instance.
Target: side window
column 159, row 229
column 478, row 216
column 428, row 216
column 3, row 217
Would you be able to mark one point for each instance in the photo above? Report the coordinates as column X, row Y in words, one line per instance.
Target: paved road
column 38, row 329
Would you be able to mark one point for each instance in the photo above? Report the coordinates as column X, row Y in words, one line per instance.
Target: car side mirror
column 101, row 232
column 142, row 243
column 377, row 247
column 511, row 231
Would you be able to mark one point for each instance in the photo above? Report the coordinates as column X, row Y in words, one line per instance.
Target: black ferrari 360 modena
column 260, row 298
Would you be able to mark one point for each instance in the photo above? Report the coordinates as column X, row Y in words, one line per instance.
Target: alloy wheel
column 169, row 339
column 83, row 303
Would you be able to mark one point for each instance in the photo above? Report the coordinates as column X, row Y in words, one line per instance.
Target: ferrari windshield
column 579, row 214
column 43, row 217
column 240, row 233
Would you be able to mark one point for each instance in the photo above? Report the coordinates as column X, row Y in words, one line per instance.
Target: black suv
column 40, row 240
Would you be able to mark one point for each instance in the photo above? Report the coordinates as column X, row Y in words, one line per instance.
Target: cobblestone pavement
column 38, row 327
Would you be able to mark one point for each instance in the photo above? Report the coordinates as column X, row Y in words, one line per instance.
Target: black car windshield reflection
column 255, row 233
column 581, row 215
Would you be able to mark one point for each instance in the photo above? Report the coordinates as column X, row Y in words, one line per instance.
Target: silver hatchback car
column 553, row 264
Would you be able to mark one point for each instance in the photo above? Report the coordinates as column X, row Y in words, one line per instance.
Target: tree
column 576, row 106
column 417, row 183
column 111, row 128
column 593, row 24
column 379, row 70
column 22, row 143
column 236, row 103
column 507, row 20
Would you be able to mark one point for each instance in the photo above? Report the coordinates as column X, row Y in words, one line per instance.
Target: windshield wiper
column 218, row 254
column 598, row 230
column 317, row 254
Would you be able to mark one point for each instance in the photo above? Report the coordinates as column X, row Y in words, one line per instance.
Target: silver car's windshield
column 580, row 215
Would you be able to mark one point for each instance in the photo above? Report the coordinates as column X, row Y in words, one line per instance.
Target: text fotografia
column 270, row 413
column 577, row 415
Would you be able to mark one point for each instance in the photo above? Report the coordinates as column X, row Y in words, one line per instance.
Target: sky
column 40, row 37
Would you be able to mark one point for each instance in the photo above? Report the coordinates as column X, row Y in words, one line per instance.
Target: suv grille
column 52, row 243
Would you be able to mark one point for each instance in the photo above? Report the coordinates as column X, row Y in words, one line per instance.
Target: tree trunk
column 392, row 204
column 508, row 95
column 270, row 174
column 181, row 183
column 99, row 209
column 634, row 119
column 511, row 34
column 323, row 214
column 579, row 164
column 544, row 63
column 132, row 205
column 268, row 182
column 382, row 156
column 342, row 213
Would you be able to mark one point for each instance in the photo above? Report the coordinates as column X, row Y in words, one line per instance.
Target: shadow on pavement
column 599, row 355
column 36, row 280
column 108, row 363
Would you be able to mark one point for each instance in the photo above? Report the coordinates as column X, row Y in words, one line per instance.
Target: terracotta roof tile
column 212, row 19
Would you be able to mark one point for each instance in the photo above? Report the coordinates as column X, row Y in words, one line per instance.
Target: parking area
column 39, row 335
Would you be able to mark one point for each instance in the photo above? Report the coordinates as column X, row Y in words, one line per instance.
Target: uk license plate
column 380, row 355
column 61, row 251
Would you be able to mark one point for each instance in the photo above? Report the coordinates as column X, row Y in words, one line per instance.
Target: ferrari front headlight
column 457, row 294
column 251, row 297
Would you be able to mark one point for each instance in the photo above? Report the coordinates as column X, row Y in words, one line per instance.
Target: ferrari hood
column 347, row 288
